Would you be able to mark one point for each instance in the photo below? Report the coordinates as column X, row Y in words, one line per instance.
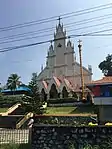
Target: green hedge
column 6, row 101
column 62, row 100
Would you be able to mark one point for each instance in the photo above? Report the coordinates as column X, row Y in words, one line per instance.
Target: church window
column 64, row 92
column 59, row 45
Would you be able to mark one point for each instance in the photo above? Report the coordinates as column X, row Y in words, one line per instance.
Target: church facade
column 61, row 76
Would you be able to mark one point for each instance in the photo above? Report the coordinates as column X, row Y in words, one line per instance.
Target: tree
column 35, row 102
column 0, row 91
column 33, row 85
column 106, row 66
column 13, row 82
column 0, row 87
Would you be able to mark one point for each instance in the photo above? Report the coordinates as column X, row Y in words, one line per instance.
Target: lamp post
column 81, row 68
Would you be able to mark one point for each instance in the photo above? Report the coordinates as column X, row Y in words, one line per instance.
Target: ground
column 71, row 110
column 65, row 110
column 15, row 146
column 3, row 109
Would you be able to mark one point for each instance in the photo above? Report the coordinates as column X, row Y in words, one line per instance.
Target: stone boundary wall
column 62, row 137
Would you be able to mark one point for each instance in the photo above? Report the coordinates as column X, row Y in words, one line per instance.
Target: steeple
column 59, row 30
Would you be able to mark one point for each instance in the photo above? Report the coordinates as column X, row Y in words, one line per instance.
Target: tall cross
column 59, row 19
column 80, row 41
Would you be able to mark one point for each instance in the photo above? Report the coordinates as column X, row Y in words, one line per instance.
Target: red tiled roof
column 57, row 81
column 68, row 84
column 104, row 80
column 45, row 84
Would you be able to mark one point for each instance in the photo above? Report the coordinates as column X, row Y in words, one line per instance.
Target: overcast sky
column 28, row 60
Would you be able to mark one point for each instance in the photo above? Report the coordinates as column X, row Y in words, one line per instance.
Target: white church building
column 61, row 76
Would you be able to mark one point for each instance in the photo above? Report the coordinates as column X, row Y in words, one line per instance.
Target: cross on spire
column 80, row 45
column 80, row 41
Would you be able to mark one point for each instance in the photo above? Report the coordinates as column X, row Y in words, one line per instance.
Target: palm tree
column 13, row 82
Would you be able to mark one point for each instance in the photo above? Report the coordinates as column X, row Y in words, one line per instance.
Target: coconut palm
column 13, row 82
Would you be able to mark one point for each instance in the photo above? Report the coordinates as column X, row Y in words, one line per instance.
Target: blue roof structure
column 20, row 88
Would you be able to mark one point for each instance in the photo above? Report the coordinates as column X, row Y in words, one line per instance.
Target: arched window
column 53, row 91
column 64, row 92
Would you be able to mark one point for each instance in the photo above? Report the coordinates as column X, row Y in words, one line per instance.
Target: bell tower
column 59, row 44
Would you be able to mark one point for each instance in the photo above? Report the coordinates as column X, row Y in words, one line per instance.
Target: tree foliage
column 106, row 66
column 35, row 102
column 13, row 81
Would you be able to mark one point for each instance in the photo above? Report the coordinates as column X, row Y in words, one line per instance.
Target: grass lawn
column 60, row 110
column 3, row 110
column 70, row 110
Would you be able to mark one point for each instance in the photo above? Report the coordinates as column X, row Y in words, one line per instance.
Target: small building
column 102, row 90
column 20, row 90
column 102, row 97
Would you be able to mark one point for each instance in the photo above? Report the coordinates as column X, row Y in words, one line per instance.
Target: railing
column 10, row 110
column 24, row 119
column 17, row 136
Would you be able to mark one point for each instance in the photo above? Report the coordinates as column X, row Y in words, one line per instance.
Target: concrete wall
column 105, row 114
column 61, row 137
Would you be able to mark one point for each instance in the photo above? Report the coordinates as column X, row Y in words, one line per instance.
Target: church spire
column 59, row 29
column 59, row 19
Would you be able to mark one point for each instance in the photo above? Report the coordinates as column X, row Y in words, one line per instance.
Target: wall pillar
column 61, row 96
column 78, row 99
column 70, row 94
column 48, row 96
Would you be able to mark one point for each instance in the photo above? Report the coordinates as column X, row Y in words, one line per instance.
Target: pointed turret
column 70, row 46
column 51, row 50
column 90, row 68
column 50, row 56
column 69, row 43
column 41, row 67
column 59, row 30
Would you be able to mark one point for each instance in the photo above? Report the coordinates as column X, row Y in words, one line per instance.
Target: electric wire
column 67, row 15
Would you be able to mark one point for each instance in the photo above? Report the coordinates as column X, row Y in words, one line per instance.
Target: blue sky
column 28, row 60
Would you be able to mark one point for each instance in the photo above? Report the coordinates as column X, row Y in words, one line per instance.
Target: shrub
column 62, row 100
column 15, row 146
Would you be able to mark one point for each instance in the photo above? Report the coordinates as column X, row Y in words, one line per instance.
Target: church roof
column 68, row 84
column 45, row 84
column 57, row 81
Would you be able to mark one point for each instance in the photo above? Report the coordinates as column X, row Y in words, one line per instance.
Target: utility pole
column 81, row 68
